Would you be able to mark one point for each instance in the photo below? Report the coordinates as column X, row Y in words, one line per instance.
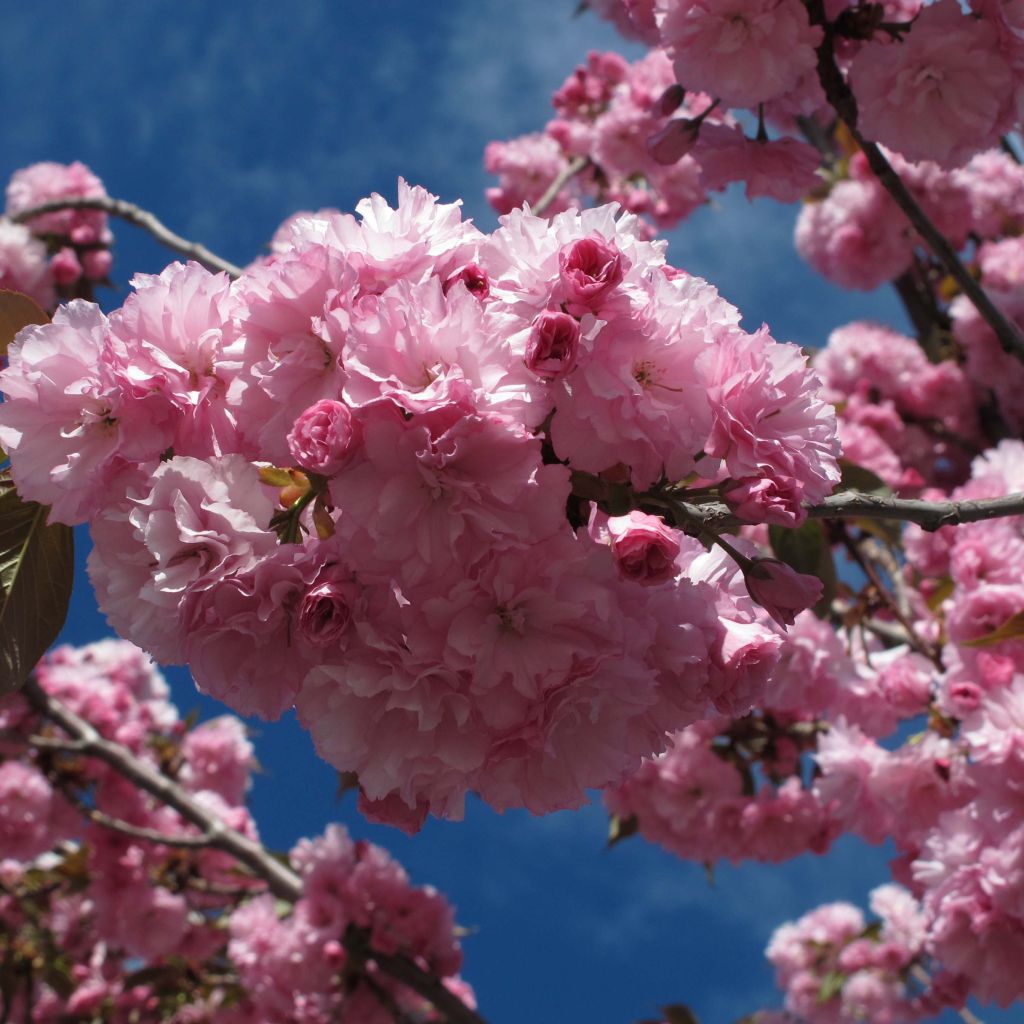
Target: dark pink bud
column 324, row 437
column 674, row 141
column 65, row 266
column 644, row 548
column 590, row 269
column 670, row 100
column 763, row 500
column 97, row 263
column 780, row 590
column 553, row 345
column 325, row 613
column 474, row 278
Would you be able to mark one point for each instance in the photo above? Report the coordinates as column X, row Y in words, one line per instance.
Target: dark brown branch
column 141, row 219
column 282, row 880
column 929, row 515
column 844, row 103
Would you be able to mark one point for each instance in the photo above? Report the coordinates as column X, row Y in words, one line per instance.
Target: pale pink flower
column 23, row 264
column 942, row 93
column 855, row 236
column 169, row 356
column 61, row 416
column 195, row 522
column 33, row 818
column 44, row 182
column 769, row 418
column 219, row 757
column 743, row 51
column 526, row 167
column 781, row 169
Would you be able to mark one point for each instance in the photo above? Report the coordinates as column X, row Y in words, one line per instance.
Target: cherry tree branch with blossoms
column 843, row 100
column 84, row 740
column 136, row 215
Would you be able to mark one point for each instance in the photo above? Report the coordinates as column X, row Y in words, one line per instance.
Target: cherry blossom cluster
column 358, row 480
column 131, row 928
column 835, row 967
column 641, row 140
column 59, row 255
column 933, row 81
column 917, row 743
column 911, row 421
column 736, row 789
column 916, row 411
column 745, row 91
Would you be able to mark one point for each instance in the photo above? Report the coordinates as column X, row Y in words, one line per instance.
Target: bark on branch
column 142, row 219
column 929, row 515
column 843, row 101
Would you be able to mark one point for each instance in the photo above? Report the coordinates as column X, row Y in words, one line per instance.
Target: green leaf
column 275, row 477
column 831, row 985
column 859, row 478
column 1011, row 629
column 36, row 568
column 806, row 549
column 943, row 590
column 17, row 311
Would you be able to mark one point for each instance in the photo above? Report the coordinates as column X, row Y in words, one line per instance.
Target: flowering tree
column 529, row 514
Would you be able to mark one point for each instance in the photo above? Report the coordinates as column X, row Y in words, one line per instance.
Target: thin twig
column 126, row 828
column 142, row 219
column 281, row 879
column 921, row 975
column 841, row 97
column 887, row 598
column 569, row 172
column 427, row 985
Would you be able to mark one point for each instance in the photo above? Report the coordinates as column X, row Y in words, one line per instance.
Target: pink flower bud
column 670, row 100
column 780, row 590
column 553, row 345
column 325, row 613
column 335, row 954
column 97, row 264
column 674, row 141
column 590, row 269
column 65, row 266
column 473, row 277
column 762, row 500
column 324, row 437
column 644, row 548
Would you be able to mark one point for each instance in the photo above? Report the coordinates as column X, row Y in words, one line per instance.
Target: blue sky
column 225, row 118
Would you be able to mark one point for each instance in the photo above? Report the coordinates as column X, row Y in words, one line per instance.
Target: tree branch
column 281, row 879
column 929, row 515
column 141, row 219
column 570, row 172
column 126, row 828
column 841, row 97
